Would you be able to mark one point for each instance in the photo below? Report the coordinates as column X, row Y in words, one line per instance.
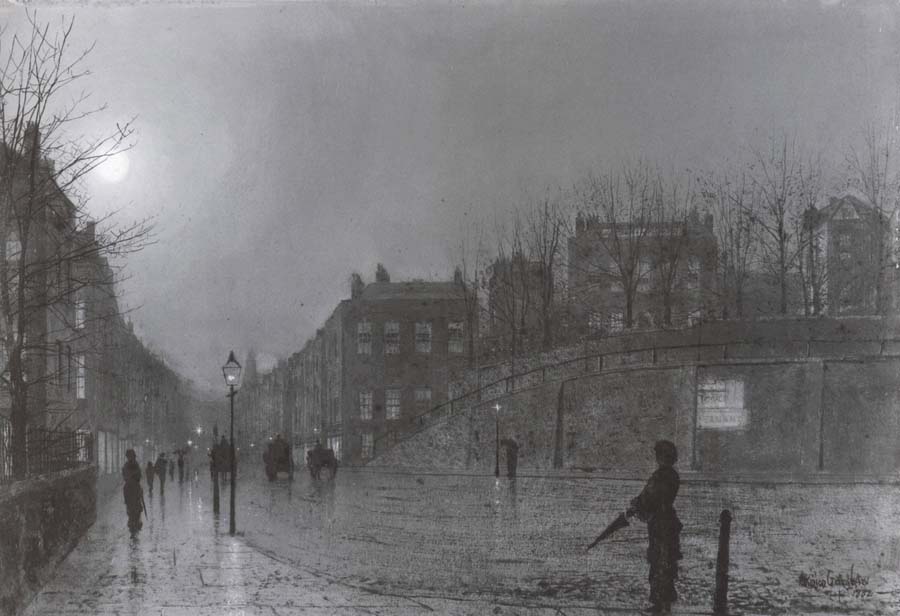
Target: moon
column 114, row 169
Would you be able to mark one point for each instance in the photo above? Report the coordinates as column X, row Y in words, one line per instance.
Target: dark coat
column 131, row 473
column 655, row 506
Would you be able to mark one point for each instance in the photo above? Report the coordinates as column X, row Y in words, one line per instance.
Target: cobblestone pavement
column 382, row 543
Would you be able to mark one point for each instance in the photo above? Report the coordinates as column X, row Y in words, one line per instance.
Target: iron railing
column 47, row 450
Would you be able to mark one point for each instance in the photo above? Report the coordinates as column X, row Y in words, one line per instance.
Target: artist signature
column 838, row 583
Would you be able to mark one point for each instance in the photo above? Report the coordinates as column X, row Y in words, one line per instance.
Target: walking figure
column 134, row 495
column 149, row 472
column 512, row 456
column 654, row 505
column 161, row 466
column 172, row 468
column 180, row 466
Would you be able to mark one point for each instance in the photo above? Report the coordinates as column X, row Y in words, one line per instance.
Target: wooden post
column 720, row 603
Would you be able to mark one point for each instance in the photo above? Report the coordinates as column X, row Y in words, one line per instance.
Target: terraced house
column 384, row 357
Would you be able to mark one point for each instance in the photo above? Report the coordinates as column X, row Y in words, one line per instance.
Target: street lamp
column 232, row 372
column 497, row 443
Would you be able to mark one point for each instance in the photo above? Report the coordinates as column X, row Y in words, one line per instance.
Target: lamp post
column 497, row 442
column 232, row 372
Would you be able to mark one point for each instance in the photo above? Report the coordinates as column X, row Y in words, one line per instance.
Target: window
column 693, row 273
column 364, row 338
column 80, row 383
column 365, row 405
column 694, row 317
column 334, row 442
column 368, row 445
column 595, row 322
column 391, row 337
column 616, row 322
column 455, row 336
column 423, row 337
column 79, row 313
column 392, row 403
column 423, row 399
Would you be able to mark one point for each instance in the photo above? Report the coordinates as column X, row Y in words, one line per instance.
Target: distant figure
column 172, row 468
column 512, row 456
column 161, row 466
column 134, row 495
column 223, row 459
column 149, row 472
column 654, row 505
column 180, row 466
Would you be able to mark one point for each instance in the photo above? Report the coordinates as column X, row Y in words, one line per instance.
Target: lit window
column 391, row 337
column 392, row 403
column 80, row 379
column 423, row 337
column 334, row 442
column 423, row 399
column 616, row 322
column 455, row 336
column 365, row 405
column 364, row 338
column 368, row 445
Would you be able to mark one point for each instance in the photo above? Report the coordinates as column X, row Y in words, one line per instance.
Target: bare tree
column 774, row 173
column 734, row 202
column 811, row 265
column 45, row 250
column 510, row 283
column 872, row 170
column 468, row 276
column 623, row 205
column 675, row 202
column 547, row 227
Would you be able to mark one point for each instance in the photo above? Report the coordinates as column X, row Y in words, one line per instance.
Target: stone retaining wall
column 41, row 520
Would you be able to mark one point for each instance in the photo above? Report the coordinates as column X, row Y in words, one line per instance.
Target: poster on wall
column 720, row 404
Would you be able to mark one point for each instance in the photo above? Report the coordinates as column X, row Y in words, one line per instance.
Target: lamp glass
column 232, row 371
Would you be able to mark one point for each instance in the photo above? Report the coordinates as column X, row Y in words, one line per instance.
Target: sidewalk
column 185, row 563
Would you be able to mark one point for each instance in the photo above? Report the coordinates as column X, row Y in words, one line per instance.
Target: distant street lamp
column 199, row 430
column 232, row 372
column 497, row 443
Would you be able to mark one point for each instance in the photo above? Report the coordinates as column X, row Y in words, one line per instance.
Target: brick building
column 383, row 356
column 673, row 273
column 842, row 254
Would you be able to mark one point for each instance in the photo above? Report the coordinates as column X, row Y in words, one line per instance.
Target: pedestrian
column 223, row 459
column 134, row 495
column 149, row 472
column 161, row 466
column 512, row 456
column 654, row 505
column 172, row 468
column 180, row 466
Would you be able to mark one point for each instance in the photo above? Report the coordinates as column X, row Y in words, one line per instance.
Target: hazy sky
column 283, row 146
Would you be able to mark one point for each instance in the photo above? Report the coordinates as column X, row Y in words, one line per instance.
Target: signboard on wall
column 720, row 404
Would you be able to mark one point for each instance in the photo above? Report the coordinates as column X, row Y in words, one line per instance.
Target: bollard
column 215, row 487
column 720, row 603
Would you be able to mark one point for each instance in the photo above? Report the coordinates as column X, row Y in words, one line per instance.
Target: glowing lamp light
column 232, row 371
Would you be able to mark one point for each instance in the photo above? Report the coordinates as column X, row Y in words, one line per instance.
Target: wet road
column 374, row 542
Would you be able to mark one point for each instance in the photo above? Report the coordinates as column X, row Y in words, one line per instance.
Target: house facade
column 384, row 356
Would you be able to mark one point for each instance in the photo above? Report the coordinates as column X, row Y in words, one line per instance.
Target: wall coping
column 39, row 482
